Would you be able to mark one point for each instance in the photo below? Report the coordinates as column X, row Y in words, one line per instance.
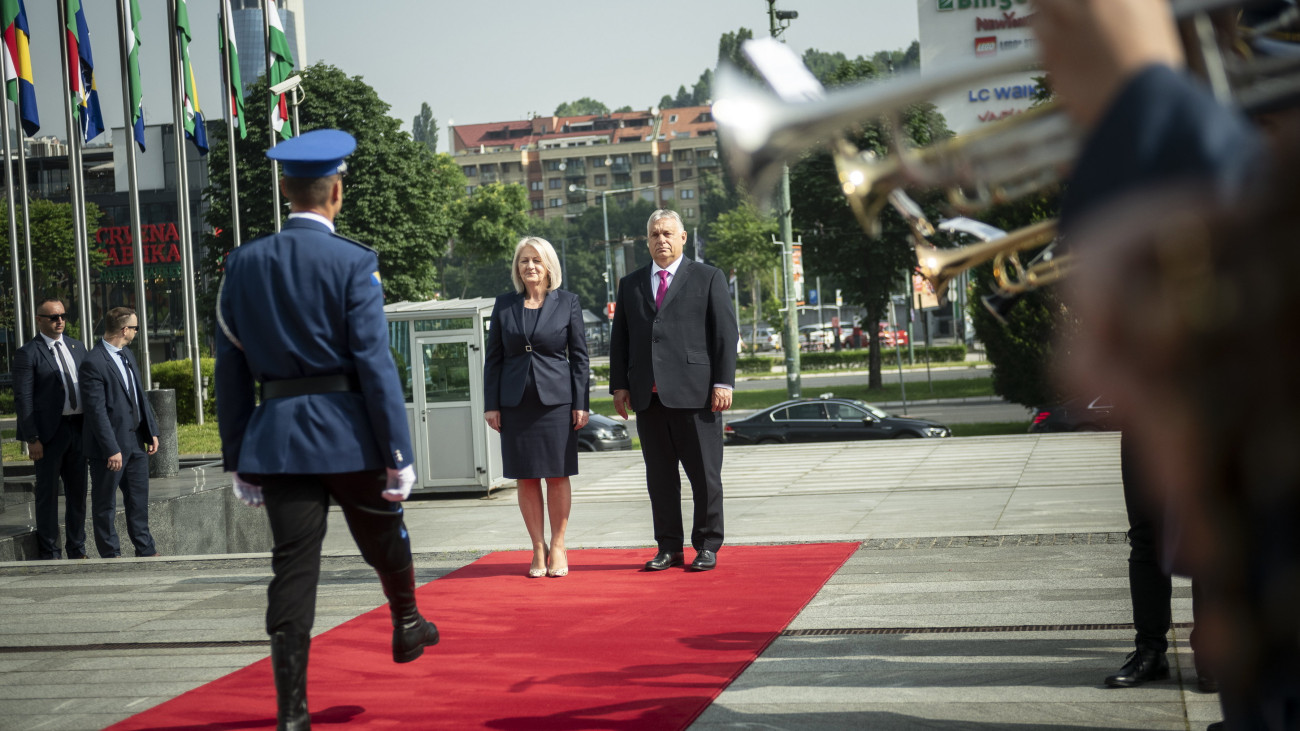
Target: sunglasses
column 59, row 316
column 132, row 327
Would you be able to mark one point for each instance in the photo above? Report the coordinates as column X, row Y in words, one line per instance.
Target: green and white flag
column 281, row 68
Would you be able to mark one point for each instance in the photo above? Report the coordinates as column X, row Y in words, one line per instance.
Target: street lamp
column 604, row 212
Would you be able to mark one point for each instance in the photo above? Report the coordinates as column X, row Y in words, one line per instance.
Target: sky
column 474, row 62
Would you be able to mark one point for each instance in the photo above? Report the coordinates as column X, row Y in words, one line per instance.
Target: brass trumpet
column 940, row 266
column 1000, row 162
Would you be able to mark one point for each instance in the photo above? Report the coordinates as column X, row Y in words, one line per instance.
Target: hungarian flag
column 235, row 108
column 81, row 73
column 133, row 75
column 281, row 69
column 192, row 115
column 19, row 86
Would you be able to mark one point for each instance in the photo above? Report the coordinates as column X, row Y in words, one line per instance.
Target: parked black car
column 827, row 419
column 1080, row 414
column 602, row 434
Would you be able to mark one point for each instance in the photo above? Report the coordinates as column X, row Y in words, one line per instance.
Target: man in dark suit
column 48, row 400
column 120, row 434
column 302, row 312
column 672, row 358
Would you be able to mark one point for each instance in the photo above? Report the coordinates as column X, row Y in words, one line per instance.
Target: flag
column 19, row 86
column 133, row 75
column 81, row 73
column 235, row 107
column 281, row 69
column 195, row 130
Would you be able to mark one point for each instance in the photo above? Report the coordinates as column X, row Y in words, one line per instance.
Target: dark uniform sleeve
column 368, row 341
column 1163, row 127
column 235, row 394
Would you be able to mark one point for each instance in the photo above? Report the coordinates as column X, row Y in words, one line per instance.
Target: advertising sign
column 963, row 33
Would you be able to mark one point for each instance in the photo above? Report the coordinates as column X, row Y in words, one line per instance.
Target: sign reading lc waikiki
column 969, row 32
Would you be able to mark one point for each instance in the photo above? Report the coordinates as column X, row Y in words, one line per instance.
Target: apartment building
column 566, row 163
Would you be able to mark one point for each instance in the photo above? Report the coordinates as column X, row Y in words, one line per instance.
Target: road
column 816, row 383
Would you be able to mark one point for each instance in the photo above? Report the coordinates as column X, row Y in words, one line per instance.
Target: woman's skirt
column 537, row 440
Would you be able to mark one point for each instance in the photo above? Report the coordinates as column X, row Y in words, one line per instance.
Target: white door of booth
column 451, row 372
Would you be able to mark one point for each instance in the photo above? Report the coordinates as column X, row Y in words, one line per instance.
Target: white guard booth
column 438, row 346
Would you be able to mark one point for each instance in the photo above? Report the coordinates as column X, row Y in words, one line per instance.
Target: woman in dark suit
column 535, row 378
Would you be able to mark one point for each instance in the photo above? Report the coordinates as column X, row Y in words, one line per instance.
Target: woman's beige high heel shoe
column 557, row 573
column 539, row 573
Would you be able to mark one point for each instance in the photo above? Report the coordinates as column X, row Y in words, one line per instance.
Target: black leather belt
column 336, row 383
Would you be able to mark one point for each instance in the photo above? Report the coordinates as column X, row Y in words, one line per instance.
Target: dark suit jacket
column 684, row 348
column 307, row 302
column 557, row 358
column 110, row 425
column 38, row 387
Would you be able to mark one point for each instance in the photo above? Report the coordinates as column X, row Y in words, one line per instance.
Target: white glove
column 400, row 483
column 247, row 492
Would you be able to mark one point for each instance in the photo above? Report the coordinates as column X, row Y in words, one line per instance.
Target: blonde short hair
column 549, row 260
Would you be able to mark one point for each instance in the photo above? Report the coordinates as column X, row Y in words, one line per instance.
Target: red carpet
column 607, row 647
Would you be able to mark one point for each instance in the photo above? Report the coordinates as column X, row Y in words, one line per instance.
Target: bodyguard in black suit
column 120, row 434
column 673, row 360
column 48, row 401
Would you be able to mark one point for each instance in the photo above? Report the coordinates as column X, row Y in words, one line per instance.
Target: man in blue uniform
column 301, row 313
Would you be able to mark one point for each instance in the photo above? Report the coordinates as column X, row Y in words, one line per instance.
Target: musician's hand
column 1091, row 48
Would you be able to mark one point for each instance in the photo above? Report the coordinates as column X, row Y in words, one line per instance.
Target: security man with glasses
column 48, row 400
column 302, row 313
column 121, row 432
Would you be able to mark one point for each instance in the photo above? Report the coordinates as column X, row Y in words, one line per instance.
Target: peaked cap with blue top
column 315, row 154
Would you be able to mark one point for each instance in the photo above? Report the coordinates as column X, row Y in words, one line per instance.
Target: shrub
column 178, row 375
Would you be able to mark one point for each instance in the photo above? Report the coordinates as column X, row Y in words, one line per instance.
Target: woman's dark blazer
column 510, row 353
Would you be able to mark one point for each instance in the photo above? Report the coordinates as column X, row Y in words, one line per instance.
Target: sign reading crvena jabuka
column 967, row 33
column 160, row 245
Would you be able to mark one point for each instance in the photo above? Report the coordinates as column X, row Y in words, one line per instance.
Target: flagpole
column 183, row 211
column 13, row 225
column 133, row 193
column 268, row 7
column 74, row 187
column 230, row 119
column 27, row 216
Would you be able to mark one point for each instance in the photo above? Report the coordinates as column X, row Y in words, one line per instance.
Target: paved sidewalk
column 990, row 591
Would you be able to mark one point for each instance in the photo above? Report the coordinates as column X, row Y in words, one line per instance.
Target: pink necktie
column 663, row 288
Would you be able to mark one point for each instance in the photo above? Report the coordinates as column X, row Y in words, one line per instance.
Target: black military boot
column 289, row 663
column 1142, row 666
column 411, row 632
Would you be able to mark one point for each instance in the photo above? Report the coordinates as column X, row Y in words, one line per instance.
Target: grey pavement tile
column 988, row 716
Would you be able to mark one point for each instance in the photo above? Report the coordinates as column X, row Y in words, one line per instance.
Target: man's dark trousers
column 1150, row 585
column 297, row 507
column 63, row 460
column 693, row 437
column 133, row 479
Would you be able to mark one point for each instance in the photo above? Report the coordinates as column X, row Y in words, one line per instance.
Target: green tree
column 54, row 257
column 740, row 241
column 399, row 197
column 702, row 92
column 581, row 107
column 822, row 64
column 424, row 128
column 866, row 269
column 494, row 220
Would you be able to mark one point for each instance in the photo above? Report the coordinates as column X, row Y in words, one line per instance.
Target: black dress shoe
column 705, row 560
column 665, row 560
column 1142, row 666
